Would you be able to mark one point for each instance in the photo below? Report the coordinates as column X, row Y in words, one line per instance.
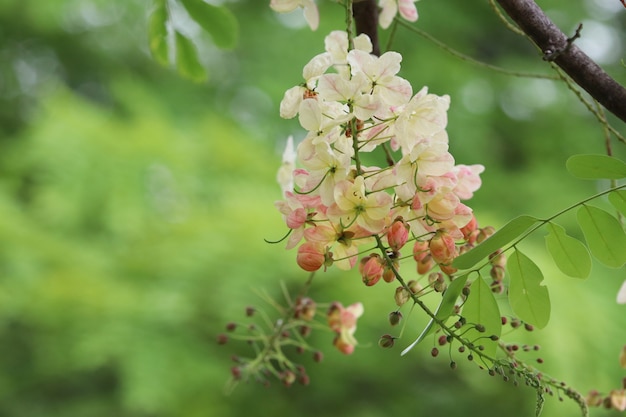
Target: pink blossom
column 342, row 320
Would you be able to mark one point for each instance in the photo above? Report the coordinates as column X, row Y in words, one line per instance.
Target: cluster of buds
column 275, row 343
column 616, row 399
column 350, row 103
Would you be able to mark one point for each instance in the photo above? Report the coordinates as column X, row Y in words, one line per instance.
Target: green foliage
column 444, row 310
column 217, row 21
column 157, row 33
column 604, row 235
column 570, row 255
column 618, row 199
column 596, row 167
column 505, row 235
column 187, row 59
column 528, row 298
column 481, row 308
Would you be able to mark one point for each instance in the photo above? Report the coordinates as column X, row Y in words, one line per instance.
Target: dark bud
column 529, row 327
column 250, row 311
column 434, row 352
column 539, row 360
column 305, row 331
column 231, row 327
column 470, row 357
column 480, row 328
column 222, row 339
column 318, row 356
column 453, row 365
column 395, row 317
column 386, row 341
column 494, row 337
column 461, row 349
column 443, row 339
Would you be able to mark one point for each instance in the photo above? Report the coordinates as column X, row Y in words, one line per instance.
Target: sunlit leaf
column 618, row 199
column 505, row 235
column 445, row 309
column 187, row 59
column 604, row 235
column 218, row 21
column 596, row 167
column 529, row 299
column 157, row 33
column 570, row 255
column 481, row 308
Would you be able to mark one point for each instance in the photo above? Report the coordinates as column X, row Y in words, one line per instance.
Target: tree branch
column 365, row 13
column 560, row 49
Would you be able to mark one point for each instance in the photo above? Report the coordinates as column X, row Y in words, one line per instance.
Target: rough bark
column 365, row 13
column 560, row 49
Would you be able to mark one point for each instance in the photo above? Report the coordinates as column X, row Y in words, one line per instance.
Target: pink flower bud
column 310, row 256
column 442, row 248
column 420, row 250
column 425, row 265
column 371, row 268
column 468, row 230
column 398, row 234
column 618, row 399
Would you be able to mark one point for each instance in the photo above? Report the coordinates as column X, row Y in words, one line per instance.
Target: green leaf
column 187, row 59
column 604, row 235
column 505, row 235
column 570, row 255
column 529, row 299
column 592, row 167
column 481, row 308
column 217, row 21
column 445, row 309
column 618, row 199
column 157, row 33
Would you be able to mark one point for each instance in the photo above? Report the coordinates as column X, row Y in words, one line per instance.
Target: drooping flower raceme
column 337, row 207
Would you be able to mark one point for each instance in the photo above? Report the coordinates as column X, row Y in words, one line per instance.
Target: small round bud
column 539, row 360
column 305, row 331
column 414, row 286
column 453, row 365
column 235, row 371
column 470, row 357
column 461, row 349
column 529, row 327
column 465, row 291
column 480, row 328
column 442, row 340
column 304, row 380
column 395, row 317
column 318, row 356
column 250, row 311
column 503, row 319
column 231, row 327
column 386, row 341
column 401, row 296
column 222, row 339
column 434, row 352
column 492, row 372
column 494, row 337
column 288, row 378
column 515, row 323
column 497, row 273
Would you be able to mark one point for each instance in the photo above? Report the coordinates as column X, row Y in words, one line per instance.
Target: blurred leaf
column 481, row 308
column 505, row 235
column 593, row 167
column 529, row 299
column 570, row 255
column 604, row 234
column 187, row 59
column 218, row 21
column 445, row 309
column 618, row 199
column 157, row 33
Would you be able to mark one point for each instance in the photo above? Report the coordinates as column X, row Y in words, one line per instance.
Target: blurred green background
column 134, row 204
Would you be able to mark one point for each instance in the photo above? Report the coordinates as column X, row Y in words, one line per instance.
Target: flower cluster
column 389, row 10
column 351, row 103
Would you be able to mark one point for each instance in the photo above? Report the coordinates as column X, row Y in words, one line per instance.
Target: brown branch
column 365, row 13
column 560, row 49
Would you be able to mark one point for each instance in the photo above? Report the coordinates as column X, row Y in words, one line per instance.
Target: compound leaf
column 529, row 299
column 570, row 255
